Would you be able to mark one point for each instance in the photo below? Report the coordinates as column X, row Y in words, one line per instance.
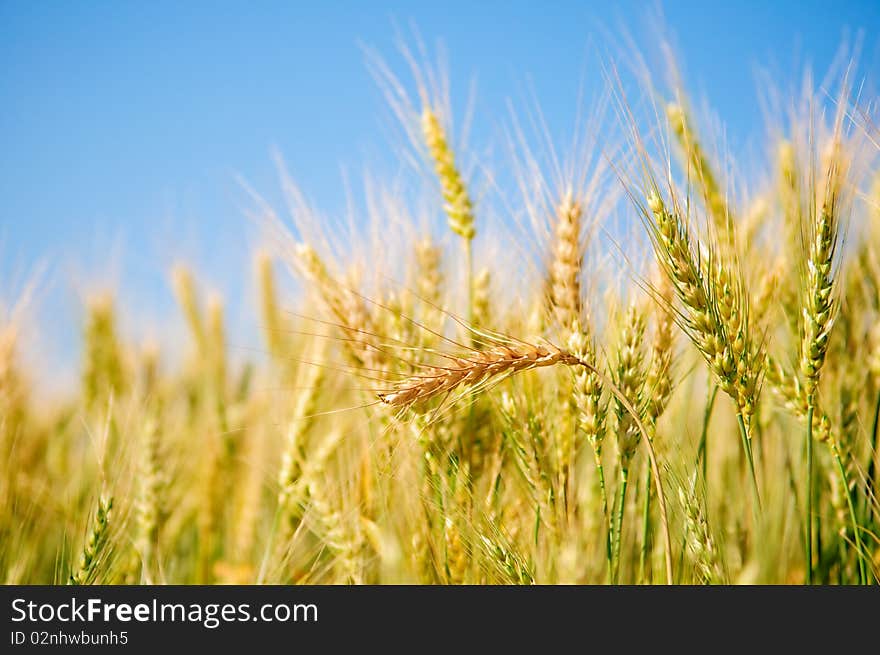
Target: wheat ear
column 565, row 269
column 715, row 316
column 459, row 208
column 473, row 369
column 95, row 545
column 509, row 358
column 818, row 311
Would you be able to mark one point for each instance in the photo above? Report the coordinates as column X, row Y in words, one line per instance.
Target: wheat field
column 628, row 359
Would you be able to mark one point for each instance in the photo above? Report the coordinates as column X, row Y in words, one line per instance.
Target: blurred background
column 127, row 128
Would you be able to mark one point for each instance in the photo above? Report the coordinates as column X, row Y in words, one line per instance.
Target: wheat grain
column 473, row 369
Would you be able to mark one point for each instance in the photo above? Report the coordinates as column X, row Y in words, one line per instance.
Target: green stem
column 621, row 506
column 646, row 529
column 702, row 455
column 841, row 556
column 604, row 493
column 808, row 501
column 747, row 447
column 863, row 578
column 655, row 464
column 871, row 475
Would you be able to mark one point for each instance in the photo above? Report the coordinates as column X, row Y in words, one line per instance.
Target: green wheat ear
column 96, row 544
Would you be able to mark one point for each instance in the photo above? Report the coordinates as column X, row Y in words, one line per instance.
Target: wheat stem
column 703, row 448
column 603, row 491
column 835, row 452
column 618, row 524
column 747, row 448
column 808, row 512
column 871, row 474
column 646, row 530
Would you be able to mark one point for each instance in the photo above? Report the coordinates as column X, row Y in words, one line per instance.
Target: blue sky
column 123, row 124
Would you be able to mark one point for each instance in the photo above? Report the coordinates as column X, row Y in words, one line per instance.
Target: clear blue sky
column 122, row 124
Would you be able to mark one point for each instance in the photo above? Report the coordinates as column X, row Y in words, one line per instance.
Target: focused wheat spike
column 732, row 302
column 458, row 203
column 96, row 544
column 565, row 267
column 820, row 306
column 715, row 315
column 587, row 390
column 476, row 368
column 629, row 375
